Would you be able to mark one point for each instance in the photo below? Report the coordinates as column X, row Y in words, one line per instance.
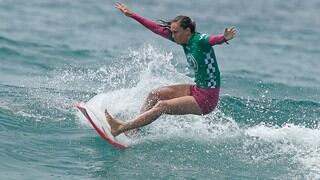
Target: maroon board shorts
column 207, row 98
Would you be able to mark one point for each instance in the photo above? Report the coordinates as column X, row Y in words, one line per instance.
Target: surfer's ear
column 187, row 30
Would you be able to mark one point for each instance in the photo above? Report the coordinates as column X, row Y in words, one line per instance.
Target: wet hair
column 184, row 21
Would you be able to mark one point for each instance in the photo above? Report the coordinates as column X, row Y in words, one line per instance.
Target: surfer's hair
column 184, row 21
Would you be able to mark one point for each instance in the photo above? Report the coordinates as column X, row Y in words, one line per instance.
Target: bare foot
column 115, row 124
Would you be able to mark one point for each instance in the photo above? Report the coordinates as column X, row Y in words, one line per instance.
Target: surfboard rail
column 104, row 133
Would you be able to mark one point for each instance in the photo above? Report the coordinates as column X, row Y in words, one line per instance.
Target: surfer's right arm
column 151, row 25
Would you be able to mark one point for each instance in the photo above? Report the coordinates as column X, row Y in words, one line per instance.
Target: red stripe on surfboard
column 103, row 135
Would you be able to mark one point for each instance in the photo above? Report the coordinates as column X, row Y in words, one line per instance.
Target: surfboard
column 100, row 124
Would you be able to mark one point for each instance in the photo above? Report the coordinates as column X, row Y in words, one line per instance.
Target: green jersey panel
column 201, row 57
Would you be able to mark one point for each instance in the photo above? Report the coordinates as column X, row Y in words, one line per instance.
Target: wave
column 296, row 142
column 253, row 130
column 35, row 58
column 135, row 74
column 259, row 85
column 248, row 111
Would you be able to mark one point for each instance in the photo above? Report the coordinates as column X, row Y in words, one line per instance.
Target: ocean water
column 54, row 54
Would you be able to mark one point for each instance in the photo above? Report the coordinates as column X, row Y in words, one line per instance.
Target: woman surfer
column 199, row 98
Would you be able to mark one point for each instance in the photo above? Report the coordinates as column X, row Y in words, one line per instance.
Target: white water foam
column 303, row 143
column 157, row 70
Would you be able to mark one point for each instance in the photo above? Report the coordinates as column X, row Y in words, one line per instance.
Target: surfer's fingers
column 117, row 5
column 233, row 30
column 120, row 6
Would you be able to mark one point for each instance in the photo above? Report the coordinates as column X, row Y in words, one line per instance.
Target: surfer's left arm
column 229, row 33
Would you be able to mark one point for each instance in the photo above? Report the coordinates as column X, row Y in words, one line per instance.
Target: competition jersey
column 201, row 57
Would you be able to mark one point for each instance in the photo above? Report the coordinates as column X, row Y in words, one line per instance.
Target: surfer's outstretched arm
column 229, row 33
column 151, row 25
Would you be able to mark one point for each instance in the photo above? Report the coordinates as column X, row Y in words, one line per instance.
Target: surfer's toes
column 107, row 114
column 113, row 123
column 111, row 120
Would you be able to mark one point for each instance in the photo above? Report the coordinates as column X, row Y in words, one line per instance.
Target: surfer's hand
column 124, row 9
column 229, row 33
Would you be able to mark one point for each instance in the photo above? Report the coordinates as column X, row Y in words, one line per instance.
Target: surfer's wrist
column 225, row 40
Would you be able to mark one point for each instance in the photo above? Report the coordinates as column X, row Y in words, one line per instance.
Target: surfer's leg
column 177, row 106
column 161, row 93
column 165, row 93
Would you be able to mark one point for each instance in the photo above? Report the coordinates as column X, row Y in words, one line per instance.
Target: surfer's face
column 180, row 35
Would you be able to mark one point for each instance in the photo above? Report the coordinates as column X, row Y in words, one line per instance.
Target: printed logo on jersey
column 192, row 62
column 203, row 36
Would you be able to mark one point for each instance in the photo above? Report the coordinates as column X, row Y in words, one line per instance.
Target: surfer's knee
column 154, row 94
column 162, row 106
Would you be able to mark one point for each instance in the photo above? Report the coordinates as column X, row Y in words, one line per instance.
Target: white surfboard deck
column 100, row 124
